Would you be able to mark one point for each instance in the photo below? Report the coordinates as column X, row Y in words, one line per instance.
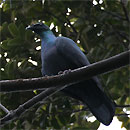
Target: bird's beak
column 29, row 28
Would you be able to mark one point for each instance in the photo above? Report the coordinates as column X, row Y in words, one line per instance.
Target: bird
column 62, row 53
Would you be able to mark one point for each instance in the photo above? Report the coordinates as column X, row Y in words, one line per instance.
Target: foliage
column 102, row 30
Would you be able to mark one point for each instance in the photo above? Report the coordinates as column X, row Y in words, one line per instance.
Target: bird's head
column 38, row 28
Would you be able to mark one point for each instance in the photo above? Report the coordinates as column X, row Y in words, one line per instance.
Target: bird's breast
column 53, row 62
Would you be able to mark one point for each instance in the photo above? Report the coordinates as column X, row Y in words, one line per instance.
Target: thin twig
column 84, row 109
column 119, row 36
column 125, row 11
column 87, row 109
column 4, row 109
column 24, row 107
column 69, row 111
column 68, row 22
column 123, row 35
column 54, row 16
column 114, row 14
column 10, row 3
column 62, row 21
column 122, row 114
column 123, row 106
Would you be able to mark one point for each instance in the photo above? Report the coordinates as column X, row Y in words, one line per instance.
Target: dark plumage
column 61, row 53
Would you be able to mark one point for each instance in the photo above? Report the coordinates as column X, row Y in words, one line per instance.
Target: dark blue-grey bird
column 60, row 54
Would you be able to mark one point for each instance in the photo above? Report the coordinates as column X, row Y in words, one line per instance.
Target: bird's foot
column 45, row 76
column 64, row 72
column 67, row 71
column 60, row 72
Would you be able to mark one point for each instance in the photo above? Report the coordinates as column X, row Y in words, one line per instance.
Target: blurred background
column 101, row 28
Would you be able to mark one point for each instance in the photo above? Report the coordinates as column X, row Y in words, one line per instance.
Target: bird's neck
column 48, row 37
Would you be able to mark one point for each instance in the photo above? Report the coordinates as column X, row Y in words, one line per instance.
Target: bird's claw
column 45, row 76
column 60, row 72
column 67, row 71
column 64, row 72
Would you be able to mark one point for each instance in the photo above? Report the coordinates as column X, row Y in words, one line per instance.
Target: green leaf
column 4, row 28
column 4, row 45
column 28, row 35
column 95, row 125
column 73, row 119
column 55, row 123
column 123, row 99
column 2, row 75
column 73, row 20
column 13, row 29
column 115, row 95
column 21, row 29
column 10, row 69
column 14, row 42
column 62, row 119
column 6, row 7
column 79, row 23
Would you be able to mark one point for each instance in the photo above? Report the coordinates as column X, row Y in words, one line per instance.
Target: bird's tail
column 97, row 101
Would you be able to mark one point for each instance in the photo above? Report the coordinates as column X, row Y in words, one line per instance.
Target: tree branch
column 72, row 77
column 125, row 11
column 24, row 107
column 122, row 114
column 114, row 14
column 122, row 106
column 68, row 22
column 4, row 109
column 121, row 60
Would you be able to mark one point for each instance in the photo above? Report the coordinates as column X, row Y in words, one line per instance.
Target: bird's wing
column 68, row 49
column 90, row 91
